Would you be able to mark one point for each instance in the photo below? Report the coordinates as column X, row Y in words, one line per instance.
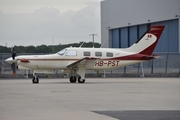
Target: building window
column 71, row 53
column 87, row 53
column 109, row 54
column 98, row 54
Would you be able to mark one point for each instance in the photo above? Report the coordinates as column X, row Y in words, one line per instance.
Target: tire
column 35, row 80
column 81, row 80
column 72, row 79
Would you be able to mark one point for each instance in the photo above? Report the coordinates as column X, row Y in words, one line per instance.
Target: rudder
column 146, row 44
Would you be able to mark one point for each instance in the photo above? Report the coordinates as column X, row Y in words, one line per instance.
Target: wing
column 87, row 61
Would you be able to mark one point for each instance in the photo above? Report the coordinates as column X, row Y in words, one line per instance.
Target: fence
column 167, row 64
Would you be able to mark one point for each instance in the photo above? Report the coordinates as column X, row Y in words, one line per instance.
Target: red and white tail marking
column 146, row 44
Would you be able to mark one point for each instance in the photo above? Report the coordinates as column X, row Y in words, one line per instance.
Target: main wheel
column 72, row 79
column 81, row 80
column 35, row 80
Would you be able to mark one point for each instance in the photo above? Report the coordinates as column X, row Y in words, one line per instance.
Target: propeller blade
column 12, row 49
column 13, row 67
column 13, row 52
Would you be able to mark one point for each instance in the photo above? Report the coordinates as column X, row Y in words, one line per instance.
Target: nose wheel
column 35, row 80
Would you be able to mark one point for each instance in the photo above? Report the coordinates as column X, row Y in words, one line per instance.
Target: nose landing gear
column 35, row 80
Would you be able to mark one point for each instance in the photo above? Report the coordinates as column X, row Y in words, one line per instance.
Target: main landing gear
column 73, row 79
column 78, row 75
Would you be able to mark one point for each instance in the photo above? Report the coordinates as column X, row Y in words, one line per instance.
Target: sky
column 48, row 22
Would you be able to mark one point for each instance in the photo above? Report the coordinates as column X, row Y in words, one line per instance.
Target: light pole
column 93, row 38
column 52, row 44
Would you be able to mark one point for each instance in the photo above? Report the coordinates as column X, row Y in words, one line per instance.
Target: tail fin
column 146, row 44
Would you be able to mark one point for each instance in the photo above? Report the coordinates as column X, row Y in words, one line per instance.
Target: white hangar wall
column 124, row 21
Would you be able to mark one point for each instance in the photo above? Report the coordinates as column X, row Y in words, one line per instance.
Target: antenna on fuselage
column 81, row 44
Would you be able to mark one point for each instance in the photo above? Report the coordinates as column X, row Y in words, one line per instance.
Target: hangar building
column 124, row 21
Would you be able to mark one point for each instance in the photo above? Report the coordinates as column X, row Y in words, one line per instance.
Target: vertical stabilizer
column 146, row 44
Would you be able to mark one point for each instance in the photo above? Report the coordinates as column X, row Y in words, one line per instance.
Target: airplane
column 76, row 60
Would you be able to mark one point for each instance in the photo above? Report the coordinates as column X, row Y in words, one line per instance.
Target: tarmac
column 96, row 99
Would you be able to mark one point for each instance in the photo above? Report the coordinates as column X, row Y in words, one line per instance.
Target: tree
column 45, row 48
column 4, row 49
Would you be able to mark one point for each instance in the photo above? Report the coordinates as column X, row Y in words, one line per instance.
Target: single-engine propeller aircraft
column 76, row 61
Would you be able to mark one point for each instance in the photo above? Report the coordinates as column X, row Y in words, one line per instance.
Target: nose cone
column 10, row 60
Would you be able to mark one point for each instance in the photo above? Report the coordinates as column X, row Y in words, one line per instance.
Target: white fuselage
column 107, row 59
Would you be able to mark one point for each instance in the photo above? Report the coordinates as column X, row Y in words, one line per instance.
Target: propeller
column 13, row 65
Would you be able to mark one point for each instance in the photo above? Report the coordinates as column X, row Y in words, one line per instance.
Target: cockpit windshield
column 62, row 52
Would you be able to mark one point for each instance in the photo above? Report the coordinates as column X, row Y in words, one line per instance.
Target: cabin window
column 62, row 52
column 109, row 54
column 98, row 54
column 87, row 53
column 71, row 53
